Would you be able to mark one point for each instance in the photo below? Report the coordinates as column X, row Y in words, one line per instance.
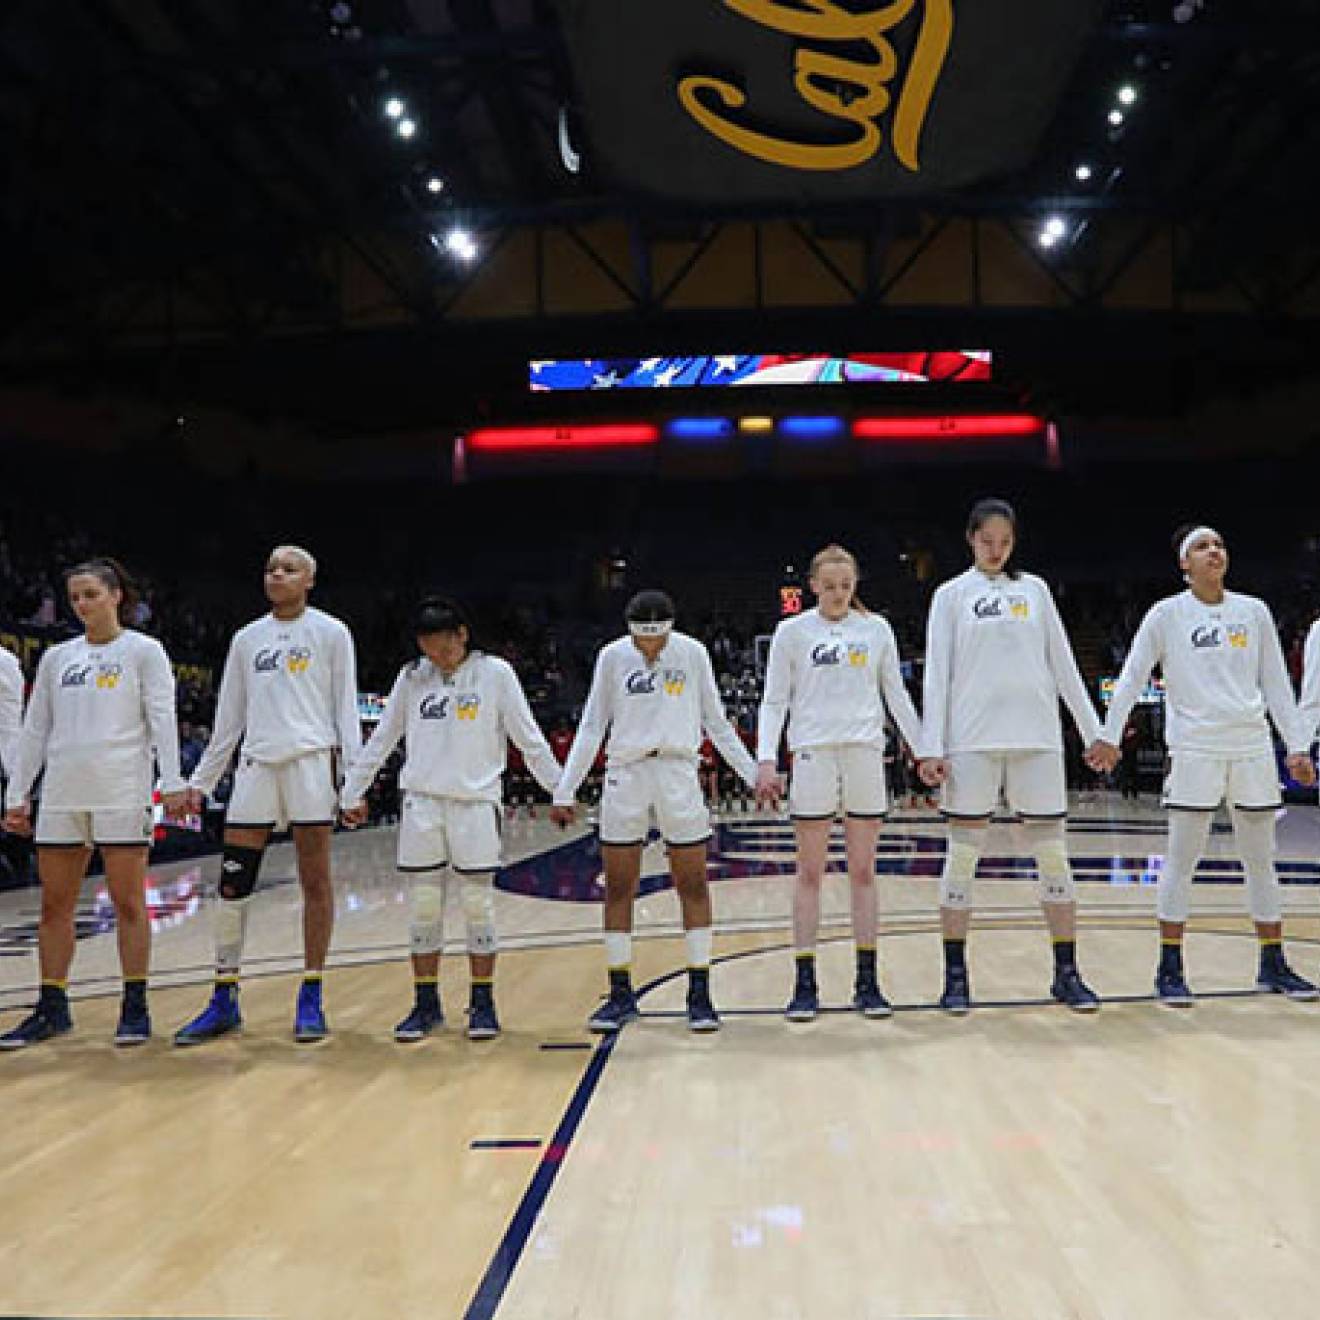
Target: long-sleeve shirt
column 832, row 681
column 1223, row 669
column 457, row 729
column 1310, row 703
column 11, row 709
column 289, row 687
column 97, row 711
column 997, row 662
column 652, row 709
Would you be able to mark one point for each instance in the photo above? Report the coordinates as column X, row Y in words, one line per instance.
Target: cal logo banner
column 774, row 100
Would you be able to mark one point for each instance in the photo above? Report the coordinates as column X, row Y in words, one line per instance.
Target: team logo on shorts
column 858, row 654
column 299, row 661
column 1237, row 637
column 75, row 676
column 639, row 683
column 108, row 676
column 675, row 681
column 466, row 706
column 433, row 707
column 1205, row 637
column 827, row 653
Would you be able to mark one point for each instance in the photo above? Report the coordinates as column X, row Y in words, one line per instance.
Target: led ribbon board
column 716, row 371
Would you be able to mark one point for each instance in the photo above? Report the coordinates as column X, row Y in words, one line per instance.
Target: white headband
column 1191, row 538
column 657, row 628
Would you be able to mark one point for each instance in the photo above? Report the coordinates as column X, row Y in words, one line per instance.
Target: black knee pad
column 238, row 871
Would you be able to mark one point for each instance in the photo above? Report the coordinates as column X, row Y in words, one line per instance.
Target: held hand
column 1302, row 769
column 1102, row 756
column 196, row 800
column 767, row 784
column 933, row 770
column 18, row 820
column 563, row 816
column 354, row 816
column 175, row 804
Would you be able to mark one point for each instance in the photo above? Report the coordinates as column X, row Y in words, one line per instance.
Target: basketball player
column 1223, row 669
column 101, row 705
column 997, row 662
column 456, row 708
column 654, row 692
column 289, row 693
column 831, row 673
column 11, row 713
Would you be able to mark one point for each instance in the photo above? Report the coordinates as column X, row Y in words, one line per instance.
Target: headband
column 1191, row 538
column 651, row 628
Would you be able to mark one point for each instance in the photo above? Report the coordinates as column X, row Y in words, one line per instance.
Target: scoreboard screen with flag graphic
column 719, row 370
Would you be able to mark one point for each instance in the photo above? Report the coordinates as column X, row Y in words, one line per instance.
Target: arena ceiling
column 223, row 191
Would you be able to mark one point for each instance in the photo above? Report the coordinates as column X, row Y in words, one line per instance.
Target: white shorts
column 298, row 792
column 436, row 832
column 1198, row 781
column 1031, row 782
column 667, row 785
column 850, row 776
column 124, row 828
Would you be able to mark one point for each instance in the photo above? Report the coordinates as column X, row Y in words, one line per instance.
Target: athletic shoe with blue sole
column 218, row 1018
column 40, row 1025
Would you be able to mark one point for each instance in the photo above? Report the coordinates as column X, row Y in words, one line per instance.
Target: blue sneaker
column 421, row 1022
column 483, row 1024
column 1069, row 988
column 309, row 1018
column 45, row 1022
column 869, row 1000
column 1280, row 979
column 218, row 1018
column 805, row 1003
column 957, row 996
column 618, row 1010
column 1172, row 990
column 134, row 1027
column 701, row 1014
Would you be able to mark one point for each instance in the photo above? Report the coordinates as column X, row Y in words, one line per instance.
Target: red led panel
column 564, row 439
column 963, row 426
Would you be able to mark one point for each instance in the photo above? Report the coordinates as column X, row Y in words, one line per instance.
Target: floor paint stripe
column 490, row 1291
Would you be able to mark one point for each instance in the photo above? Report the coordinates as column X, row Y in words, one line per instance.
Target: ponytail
column 115, row 576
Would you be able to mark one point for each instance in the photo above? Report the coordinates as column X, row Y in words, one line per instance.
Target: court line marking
column 499, row 1273
column 495, row 1281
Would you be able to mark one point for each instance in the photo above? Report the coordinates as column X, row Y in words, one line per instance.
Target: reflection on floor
column 1019, row 1163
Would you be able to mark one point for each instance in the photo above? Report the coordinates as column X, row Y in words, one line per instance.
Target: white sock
column 699, row 944
column 618, row 948
column 230, row 934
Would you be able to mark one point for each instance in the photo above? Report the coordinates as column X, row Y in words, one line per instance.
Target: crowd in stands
column 546, row 572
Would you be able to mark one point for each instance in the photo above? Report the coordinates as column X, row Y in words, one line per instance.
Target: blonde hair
column 304, row 557
column 836, row 554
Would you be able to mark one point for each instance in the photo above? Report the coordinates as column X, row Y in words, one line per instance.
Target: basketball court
column 1022, row 1161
